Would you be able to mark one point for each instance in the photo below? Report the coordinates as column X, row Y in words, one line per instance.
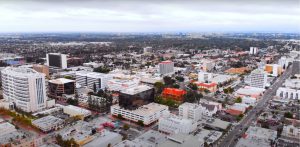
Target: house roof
column 174, row 91
column 234, row 112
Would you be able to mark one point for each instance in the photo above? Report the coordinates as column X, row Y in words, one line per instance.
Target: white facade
column 147, row 113
column 291, row 131
column 166, row 67
column 284, row 62
column 190, row 111
column 25, row 87
column 63, row 60
column 173, row 124
column 258, row 78
column 292, row 83
column 207, row 65
column 249, row 100
column 253, row 50
column 89, row 79
column 288, row 93
column 204, row 77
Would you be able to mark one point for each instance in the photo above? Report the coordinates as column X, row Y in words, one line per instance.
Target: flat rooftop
column 61, row 81
column 145, row 110
column 136, row 90
column 47, row 121
column 181, row 140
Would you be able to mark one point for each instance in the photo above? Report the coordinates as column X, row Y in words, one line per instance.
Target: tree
column 225, row 91
column 179, row 78
column 193, row 86
column 102, row 69
column 68, row 77
column 140, row 122
column 72, row 101
column 288, row 115
column 192, row 96
column 120, row 116
column 159, row 86
column 175, row 86
column 238, row 100
column 168, row 80
column 230, row 89
column 126, row 127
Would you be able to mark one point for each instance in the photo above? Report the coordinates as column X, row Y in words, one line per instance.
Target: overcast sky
column 149, row 16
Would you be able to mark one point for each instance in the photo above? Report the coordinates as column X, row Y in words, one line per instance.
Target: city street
column 232, row 136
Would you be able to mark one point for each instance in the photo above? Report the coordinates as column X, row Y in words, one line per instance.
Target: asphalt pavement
column 231, row 138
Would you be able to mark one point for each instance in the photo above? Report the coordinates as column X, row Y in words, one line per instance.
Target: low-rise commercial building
column 135, row 97
column 92, row 80
column 249, row 91
column 58, row 87
column 288, row 93
column 147, row 113
column 256, row 136
column 172, row 124
column 174, row 94
column 76, row 111
column 48, row 123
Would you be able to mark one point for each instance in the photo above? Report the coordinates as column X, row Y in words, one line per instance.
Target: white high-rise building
column 166, row 67
column 57, row 60
column 190, row 111
column 25, row 88
column 258, row 78
column 253, row 50
column 204, row 77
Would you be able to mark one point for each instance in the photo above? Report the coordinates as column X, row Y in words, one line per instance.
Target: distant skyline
column 150, row 16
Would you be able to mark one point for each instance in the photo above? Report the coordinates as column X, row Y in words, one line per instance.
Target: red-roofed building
column 234, row 112
column 212, row 87
column 173, row 93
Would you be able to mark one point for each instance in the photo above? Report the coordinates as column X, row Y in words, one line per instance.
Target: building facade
column 288, row 93
column 190, row 111
column 148, row 114
column 135, row 97
column 92, row 80
column 258, row 78
column 173, row 124
column 253, row 50
column 166, row 67
column 57, row 60
column 58, row 87
column 204, row 77
column 25, row 88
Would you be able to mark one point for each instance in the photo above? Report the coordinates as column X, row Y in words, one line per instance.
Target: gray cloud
column 149, row 16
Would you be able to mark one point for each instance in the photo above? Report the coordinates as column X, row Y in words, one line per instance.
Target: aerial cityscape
column 134, row 73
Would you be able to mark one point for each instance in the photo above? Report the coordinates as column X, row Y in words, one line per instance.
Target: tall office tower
column 253, row 50
column 204, row 77
column 166, row 67
column 296, row 66
column 57, row 60
column 25, row 88
column 258, row 78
